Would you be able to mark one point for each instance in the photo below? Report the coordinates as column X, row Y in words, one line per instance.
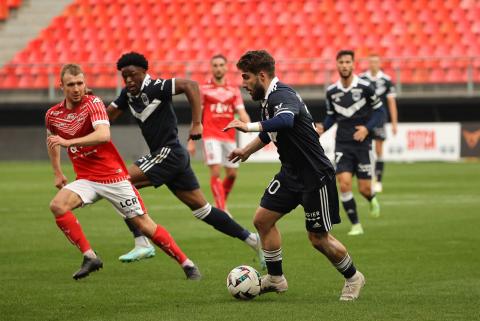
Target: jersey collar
column 369, row 75
column 353, row 84
column 271, row 87
column 146, row 81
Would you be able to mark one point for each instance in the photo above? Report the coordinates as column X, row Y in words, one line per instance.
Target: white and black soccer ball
column 243, row 282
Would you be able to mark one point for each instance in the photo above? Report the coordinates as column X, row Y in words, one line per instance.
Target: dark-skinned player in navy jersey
column 352, row 104
column 306, row 176
column 150, row 102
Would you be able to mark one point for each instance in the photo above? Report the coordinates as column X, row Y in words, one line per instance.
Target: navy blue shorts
column 379, row 132
column 354, row 158
column 170, row 166
column 320, row 205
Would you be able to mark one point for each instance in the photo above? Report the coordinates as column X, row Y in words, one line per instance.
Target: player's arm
column 329, row 119
column 100, row 135
column 392, row 107
column 242, row 154
column 243, row 115
column 191, row 89
column 60, row 179
column 113, row 112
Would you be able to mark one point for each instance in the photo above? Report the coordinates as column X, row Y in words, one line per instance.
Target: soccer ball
column 243, row 282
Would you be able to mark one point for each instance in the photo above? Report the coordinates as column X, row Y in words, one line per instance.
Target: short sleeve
column 47, row 123
column 391, row 92
column 284, row 103
column 121, row 102
column 97, row 112
column 163, row 89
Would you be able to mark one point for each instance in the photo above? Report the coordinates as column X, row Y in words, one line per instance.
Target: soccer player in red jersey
column 220, row 102
column 80, row 124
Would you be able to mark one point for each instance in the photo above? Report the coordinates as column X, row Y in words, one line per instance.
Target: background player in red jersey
column 220, row 102
column 80, row 123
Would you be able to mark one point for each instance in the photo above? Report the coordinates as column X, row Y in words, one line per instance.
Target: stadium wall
column 22, row 133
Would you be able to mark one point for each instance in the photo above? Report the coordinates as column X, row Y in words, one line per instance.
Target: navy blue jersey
column 302, row 157
column 351, row 107
column 153, row 111
column 383, row 86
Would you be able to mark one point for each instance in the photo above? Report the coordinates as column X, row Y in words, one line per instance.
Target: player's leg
column 213, row 157
column 345, row 162
column 230, row 168
column 142, row 249
column 365, row 173
column 321, row 213
column 380, row 136
column 68, row 198
column 217, row 218
column 129, row 204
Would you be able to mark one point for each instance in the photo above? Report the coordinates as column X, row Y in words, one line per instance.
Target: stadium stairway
column 32, row 16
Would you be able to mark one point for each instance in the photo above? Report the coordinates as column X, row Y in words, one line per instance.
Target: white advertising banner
column 413, row 142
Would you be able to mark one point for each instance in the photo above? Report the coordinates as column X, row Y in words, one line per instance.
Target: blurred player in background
column 385, row 90
column 80, row 124
column 220, row 102
column 150, row 102
column 306, row 176
column 352, row 104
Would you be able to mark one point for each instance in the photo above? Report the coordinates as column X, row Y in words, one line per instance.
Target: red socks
column 165, row 241
column 228, row 185
column 72, row 229
column 218, row 192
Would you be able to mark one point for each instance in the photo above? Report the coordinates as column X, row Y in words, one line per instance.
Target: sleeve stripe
column 113, row 104
column 241, row 106
column 100, row 122
column 173, row 86
column 285, row 112
column 376, row 106
column 392, row 95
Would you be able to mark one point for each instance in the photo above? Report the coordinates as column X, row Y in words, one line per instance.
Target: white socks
column 142, row 241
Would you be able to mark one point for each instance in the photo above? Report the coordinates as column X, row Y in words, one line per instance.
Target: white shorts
column 123, row 195
column 217, row 151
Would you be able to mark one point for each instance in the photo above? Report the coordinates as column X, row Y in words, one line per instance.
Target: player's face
column 251, row 83
column 133, row 77
column 73, row 87
column 345, row 66
column 374, row 64
column 219, row 68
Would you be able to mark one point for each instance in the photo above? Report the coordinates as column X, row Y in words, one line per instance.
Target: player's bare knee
column 318, row 240
column 57, row 207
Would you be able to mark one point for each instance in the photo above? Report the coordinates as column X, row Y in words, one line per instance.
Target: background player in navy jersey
column 385, row 90
column 306, row 176
column 352, row 104
column 150, row 102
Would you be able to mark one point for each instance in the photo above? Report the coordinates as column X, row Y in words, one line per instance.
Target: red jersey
column 219, row 105
column 99, row 163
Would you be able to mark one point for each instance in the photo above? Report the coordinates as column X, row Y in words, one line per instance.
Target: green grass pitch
column 421, row 258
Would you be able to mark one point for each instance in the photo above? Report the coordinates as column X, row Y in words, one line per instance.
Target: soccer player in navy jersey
column 150, row 102
column 351, row 103
column 306, row 176
column 385, row 90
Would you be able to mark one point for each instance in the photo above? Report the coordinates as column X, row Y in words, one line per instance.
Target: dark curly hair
column 345, row 52
column 132, row 59
column 257, row 60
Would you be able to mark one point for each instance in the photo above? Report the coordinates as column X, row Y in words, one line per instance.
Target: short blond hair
column 73, row 69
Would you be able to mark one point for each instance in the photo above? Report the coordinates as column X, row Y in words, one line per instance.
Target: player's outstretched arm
column 242, row 154
column 60, row 179
column 243, row 115
column 113, row 113
column 192, row 91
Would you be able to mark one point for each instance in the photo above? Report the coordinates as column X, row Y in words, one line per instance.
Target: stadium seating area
column 179, row 36
column 6, row 6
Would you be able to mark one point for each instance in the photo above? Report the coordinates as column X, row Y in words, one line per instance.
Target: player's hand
column 191, row 147
column 55, row 140
column 360, row 133
column 196, row 131
column 60, row 180
column 238, row 154
column 394, row 129
column 237, row 124
column 319, row 128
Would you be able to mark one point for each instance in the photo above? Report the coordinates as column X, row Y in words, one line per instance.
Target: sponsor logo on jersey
column 71, row 116
column 145, row 99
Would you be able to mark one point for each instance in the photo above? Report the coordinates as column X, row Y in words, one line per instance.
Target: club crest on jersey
column 356, row 94
column 145, row 99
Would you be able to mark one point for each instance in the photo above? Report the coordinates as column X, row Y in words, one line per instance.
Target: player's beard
column 258, row 92
column 346, row 74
